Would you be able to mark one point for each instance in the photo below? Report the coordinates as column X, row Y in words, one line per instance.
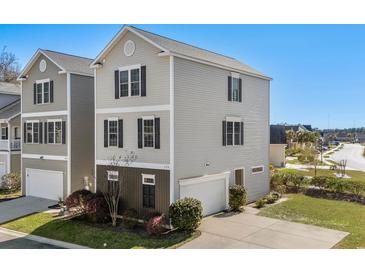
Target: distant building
column 277, row 145
column 298, row 127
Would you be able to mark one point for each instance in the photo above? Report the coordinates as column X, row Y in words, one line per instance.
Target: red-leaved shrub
column 155, row 226
column 78, row 198
column 97, row 210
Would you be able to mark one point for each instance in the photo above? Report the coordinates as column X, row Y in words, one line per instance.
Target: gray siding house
column 57, row 124
column 197, row 121
column 10, row 132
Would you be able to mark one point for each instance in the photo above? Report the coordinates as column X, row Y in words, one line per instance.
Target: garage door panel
column 211, row 193
column 44, row 183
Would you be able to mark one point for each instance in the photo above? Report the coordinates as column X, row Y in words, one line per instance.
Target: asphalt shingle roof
column 71, row 63
column 197, row 53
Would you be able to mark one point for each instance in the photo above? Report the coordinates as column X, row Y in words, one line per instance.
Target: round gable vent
column 42, row 65
column 129, row 48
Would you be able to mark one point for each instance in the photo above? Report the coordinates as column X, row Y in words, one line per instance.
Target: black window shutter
column 120, row 133
column 45, row 132
column 116, row 83
column 157, row 133
column 40, row 127
column 139, row 132
column 34, row 93
column 224, row 135
column 240, row 90
column 6, row 133
column 143, row 81
column 229, row 88
column 51, row 91
column 242, row 133
column 105, row 133
column 63, row 132
column 25, row 133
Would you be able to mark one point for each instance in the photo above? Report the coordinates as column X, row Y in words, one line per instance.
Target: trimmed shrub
column 284, row 182
column 130, row 218
column 97, row 210
column 260, row 203
column 11, row 181
column 186, row 214
column 155, row 226
column 79, row 198
column 272, row 197
column 237, row 197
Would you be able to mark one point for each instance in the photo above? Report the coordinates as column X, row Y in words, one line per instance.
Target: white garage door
column 2, row 172
column 44, row 183
column 211, row 190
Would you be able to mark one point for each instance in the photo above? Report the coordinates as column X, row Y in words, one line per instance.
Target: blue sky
column 318, row 70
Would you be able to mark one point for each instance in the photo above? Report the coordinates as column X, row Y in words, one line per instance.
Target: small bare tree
column 342, row 164
column 9, row 67
column 112, row 192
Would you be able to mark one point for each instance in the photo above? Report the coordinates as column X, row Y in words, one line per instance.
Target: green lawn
column 355, row 175
column 43, row 224
column 338, row 215
column 6, row 194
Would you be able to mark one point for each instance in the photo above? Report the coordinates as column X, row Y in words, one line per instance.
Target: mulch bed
column 322, row 193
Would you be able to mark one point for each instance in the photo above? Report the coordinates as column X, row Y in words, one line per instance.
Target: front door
column 239, row 177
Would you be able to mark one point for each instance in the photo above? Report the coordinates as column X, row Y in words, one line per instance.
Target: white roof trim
column 117, row 37
column 31, row 63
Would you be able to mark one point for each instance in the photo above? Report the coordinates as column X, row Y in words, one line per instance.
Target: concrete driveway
column 22, row 206
column 353, row 154
column 245, row 230
column 8, row 241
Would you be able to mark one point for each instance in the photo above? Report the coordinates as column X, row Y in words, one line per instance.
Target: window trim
column 243, row 175
column 112, row 172
column 149, row 176
column 114, row 119
column 151, row 117
column 43, row 81
column 1, row 132
column 258, row 172
column 26, row 132
column 129, row 69
column 235, row 75
column 54, row 131
column 233, row 120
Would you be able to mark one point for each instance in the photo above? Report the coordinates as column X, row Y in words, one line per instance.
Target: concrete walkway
column 246, row 230
column 22, row 206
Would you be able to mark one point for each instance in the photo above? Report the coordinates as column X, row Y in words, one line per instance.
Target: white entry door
column 44, row 183
column 210, row 190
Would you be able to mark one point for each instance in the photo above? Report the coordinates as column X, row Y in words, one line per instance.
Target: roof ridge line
column 63, row 53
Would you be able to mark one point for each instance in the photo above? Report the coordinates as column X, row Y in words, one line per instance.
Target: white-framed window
column 16, row 133
column 234, row 131
column 32, row 132
column 257, row 169
column 113, row 132
column 130, row 81
column 148, row 182
column 113, row 175
column 43, row 91
column 235, row 84
column 148, row 131
column 4, row 133
column 54, row 131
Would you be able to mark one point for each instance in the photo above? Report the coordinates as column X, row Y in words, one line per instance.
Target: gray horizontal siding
column 59, row 89
column 145, row 155
column 201, row 104
column 157, row 75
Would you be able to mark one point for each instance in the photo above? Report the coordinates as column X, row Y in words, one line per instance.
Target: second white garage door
column 44, row 183
column 211, row 190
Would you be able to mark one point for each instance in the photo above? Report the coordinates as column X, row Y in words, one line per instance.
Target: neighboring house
column 10, row 131
column 198, row 122
column 277, row 145
column 58, row 124
column 298, row 127
column 360, row 138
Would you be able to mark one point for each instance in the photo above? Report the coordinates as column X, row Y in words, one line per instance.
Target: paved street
column 8, row 241
column 353, row 154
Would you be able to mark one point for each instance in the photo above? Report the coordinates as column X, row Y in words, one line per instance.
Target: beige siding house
column 10, row 132
column 57, row 124
column 197, row 121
